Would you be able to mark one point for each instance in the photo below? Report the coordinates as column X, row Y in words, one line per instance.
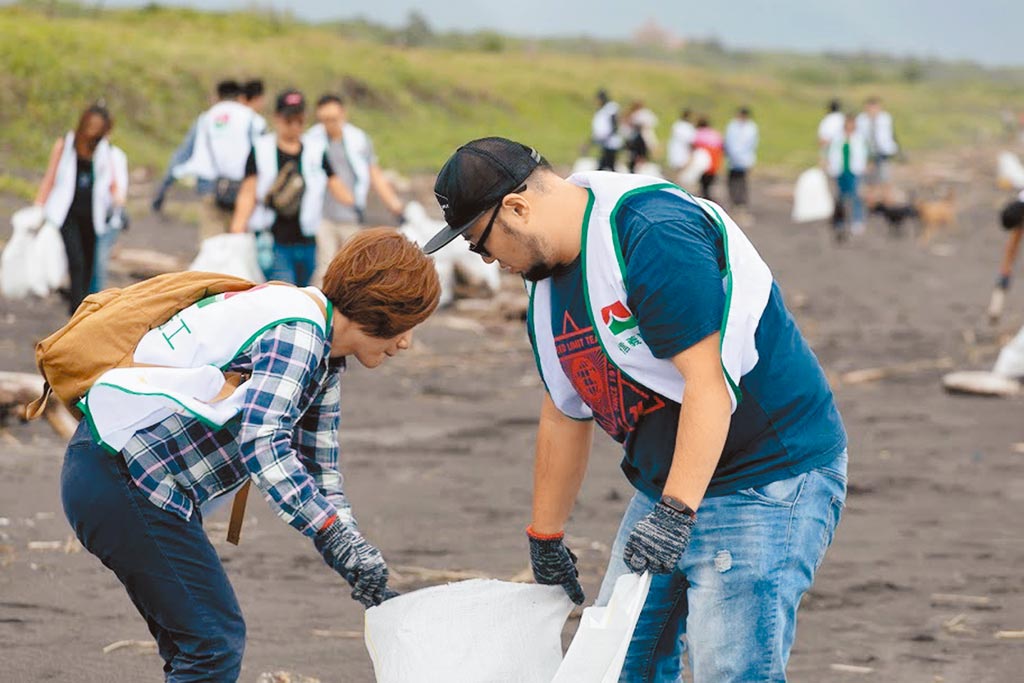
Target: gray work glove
column 346, row 551
column 658, row 541
column 554, row 564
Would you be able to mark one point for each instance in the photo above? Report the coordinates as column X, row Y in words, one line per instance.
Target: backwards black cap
column 475, row 179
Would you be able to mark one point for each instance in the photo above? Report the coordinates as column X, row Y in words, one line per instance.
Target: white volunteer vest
column 356, row 143
column 311, row 209
column 747, row 283
column 63, row 193
column 191, row 349
column 224, row 136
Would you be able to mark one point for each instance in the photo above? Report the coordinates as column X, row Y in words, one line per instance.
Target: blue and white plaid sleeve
column 316, row 440
column 284, row 361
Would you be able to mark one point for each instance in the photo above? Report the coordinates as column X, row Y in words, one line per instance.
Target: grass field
column 155, row 67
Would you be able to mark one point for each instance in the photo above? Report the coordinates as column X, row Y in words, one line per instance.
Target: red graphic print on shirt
column 617, row 403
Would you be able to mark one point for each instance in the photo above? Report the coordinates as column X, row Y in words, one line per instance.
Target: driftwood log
column 17, row 389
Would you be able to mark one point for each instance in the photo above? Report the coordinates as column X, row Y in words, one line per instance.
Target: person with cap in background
column 354, row 160
column 283, row 193
column 652, row 314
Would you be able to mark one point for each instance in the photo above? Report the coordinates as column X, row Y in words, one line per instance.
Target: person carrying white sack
column 79, row 193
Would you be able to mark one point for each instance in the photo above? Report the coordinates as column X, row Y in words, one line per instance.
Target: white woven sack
column 51, row 258
column 598, row 649
column 477, row 631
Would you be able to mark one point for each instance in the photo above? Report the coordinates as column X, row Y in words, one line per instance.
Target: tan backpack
column 108, row 325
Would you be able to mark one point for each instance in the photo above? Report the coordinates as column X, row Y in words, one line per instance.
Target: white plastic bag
column 598, row 649
column 229, row 254
column 700, row 162
column 812, row 198
column 454, row 258
column 584, row 164
column 34, row 260
column 1010, row 362
column 477, row 631
column 51, row 258
column 1010, row 171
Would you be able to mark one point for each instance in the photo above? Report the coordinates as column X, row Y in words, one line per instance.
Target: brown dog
column 935, row 213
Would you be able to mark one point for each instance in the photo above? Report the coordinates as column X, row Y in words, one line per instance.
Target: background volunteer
column 767, row 482
column 294, row 247
column 354, row 160
column 80, row 193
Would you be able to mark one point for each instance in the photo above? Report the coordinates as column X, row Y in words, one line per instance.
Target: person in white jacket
column 79, row 193
column 680, row 142
column 117, row 221
column 741, row 141
column 224, row 137
column 875, row 125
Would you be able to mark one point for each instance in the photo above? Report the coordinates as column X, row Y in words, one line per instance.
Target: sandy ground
column 437, row 454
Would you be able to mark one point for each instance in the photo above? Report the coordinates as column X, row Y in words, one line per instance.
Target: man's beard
column 540, row 271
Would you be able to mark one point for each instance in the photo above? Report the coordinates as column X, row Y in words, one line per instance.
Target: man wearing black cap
column 637, row 290
column 282, row 196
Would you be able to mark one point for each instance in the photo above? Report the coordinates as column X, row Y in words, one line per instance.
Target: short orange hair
column 382, row 282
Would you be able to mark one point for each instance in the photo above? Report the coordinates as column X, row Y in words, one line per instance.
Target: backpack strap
column 238, row 513
column 35, row 409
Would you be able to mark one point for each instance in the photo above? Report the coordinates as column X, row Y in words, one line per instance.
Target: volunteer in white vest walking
column 224, row 137
column 282, row 197
column 354, row 160
column 875, row 125
column 79, row 193
column 150, row 457
column 638, row 291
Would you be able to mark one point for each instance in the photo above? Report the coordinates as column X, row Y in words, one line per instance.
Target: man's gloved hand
column 554, row 564
column 361, row 564
column 659, row 540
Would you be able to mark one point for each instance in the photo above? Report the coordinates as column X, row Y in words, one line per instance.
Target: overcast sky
column 987, row 31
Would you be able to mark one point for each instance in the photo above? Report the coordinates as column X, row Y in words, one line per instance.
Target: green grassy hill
column 155, row 68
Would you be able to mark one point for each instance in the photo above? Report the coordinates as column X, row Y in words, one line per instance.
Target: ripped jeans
column 735, row 595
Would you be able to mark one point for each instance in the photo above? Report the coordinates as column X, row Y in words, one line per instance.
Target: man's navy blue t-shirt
column 786, row 422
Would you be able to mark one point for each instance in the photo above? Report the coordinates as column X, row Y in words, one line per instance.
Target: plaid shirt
column 285, row 438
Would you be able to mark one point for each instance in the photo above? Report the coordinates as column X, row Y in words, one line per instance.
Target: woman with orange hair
column 135, row 497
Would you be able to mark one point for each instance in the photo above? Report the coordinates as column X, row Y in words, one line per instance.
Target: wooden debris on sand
column 137, row 645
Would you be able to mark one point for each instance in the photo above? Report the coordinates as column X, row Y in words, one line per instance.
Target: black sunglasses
column 478, row 247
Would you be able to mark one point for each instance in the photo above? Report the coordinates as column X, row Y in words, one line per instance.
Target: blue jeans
column 293, row 263
column 752, row 556
column 848, row 195
column 168, row 566
column 101, row 260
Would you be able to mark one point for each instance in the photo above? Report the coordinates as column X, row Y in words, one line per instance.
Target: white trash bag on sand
column 1010, row 171
column 598, row 650
column 454, row 259
column 485, row 631
column 477, row 631
column 812, row 198
column 229, row 254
